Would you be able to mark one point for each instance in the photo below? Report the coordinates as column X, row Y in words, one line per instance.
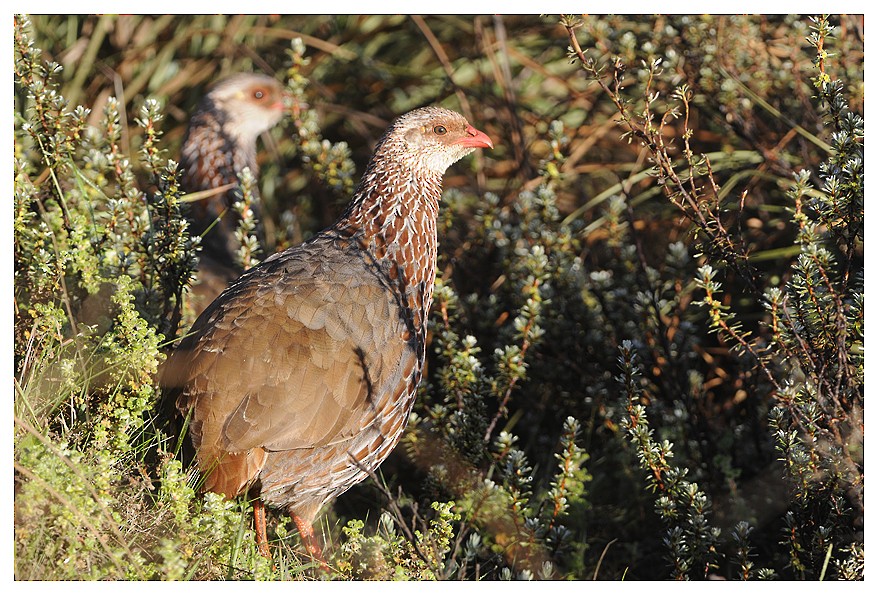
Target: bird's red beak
column 475, row 138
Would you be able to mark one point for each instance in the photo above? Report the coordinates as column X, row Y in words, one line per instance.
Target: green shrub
column 646, row 353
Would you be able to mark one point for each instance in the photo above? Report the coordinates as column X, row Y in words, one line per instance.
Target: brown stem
column 525, row 344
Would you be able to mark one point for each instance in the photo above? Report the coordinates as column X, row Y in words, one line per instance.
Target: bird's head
column 250, row 103
column 432, row 138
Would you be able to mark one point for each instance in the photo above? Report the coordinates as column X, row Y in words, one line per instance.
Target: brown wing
column 291, row 359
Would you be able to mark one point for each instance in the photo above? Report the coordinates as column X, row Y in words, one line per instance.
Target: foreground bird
column 299, row 379
column 219, row 143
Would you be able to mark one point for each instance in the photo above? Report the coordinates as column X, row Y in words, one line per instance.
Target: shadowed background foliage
column 646, row 345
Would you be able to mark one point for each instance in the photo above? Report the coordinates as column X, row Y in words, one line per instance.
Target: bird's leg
column 259, row 525
column 306, row 531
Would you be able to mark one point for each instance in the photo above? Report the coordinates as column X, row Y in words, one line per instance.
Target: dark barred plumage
column 219, row 143
column 300, row 377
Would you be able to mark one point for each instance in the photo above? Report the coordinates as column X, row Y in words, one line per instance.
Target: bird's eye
column 439, row 129
column 259, row 94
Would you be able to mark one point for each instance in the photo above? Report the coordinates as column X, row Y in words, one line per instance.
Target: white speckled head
column 252, row 103
column 431, row 138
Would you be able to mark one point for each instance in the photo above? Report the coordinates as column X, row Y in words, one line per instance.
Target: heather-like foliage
column 646, row 350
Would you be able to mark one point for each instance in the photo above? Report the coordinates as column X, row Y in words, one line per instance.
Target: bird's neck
column 393, row 216
column 214, row 151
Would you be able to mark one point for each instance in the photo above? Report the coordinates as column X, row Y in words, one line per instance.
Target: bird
column 298, row 380
column 220, row 141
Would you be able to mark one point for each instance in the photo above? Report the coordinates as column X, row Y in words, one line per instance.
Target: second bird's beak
column 475, row 138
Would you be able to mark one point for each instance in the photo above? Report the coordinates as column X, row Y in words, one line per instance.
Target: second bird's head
column 251, row 103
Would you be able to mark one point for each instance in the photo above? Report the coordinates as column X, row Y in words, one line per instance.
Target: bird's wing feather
column 297, row 360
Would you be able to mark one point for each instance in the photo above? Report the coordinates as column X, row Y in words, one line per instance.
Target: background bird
column 219, row 143
column 298, row 380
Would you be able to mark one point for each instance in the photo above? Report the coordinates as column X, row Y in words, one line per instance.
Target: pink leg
column 261, row 532
column 306, row 531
